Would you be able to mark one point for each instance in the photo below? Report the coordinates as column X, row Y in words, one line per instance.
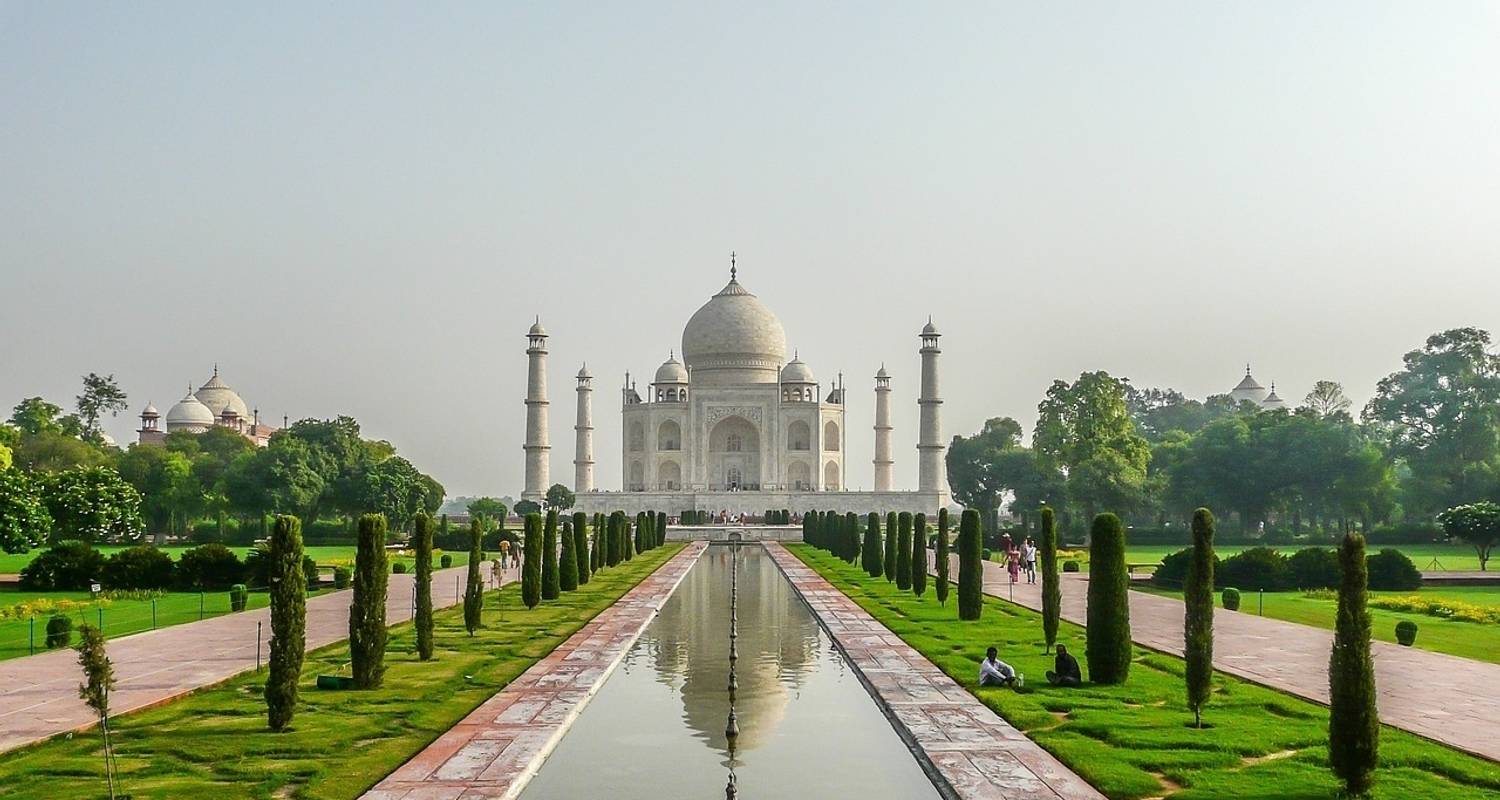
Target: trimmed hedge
column 1353, row 720
column 289, row 619
column 531, row 562
column 367, row 631
column 422, row 535
column 1108, row 645
column 970, row 566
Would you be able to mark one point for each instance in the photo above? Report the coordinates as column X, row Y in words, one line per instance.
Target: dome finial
column 1247, row 369
column 216, row 369
column 732, row 269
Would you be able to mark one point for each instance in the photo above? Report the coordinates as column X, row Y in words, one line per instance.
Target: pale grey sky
column 357, row 208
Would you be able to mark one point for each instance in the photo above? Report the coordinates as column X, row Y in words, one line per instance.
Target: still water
column 808, row 729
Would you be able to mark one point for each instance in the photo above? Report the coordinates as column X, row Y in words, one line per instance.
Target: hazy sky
column 356, row 208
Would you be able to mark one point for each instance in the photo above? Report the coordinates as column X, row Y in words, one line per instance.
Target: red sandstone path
column 39, row 694
column 1446, row 698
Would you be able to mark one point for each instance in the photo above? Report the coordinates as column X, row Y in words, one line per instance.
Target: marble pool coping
column 969, row 751
column 496, row 750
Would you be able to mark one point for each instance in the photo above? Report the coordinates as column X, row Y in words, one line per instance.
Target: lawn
column 325, row 555
column 215, row 744
column 1476, row 640
column 1136, row 740
column 1451, row 557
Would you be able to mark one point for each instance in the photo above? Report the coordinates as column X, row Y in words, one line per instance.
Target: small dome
column 797, row 371
column 583, row 372
column 930, row 329
column 189, row 412
column 1272, row 401
column 672, row 371
column 218, row 396
column 537, row 329
column 882, row 373
column 150, row 411
column 106, row 440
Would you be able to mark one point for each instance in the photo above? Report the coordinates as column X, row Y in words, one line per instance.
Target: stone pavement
column 978, row 754
column 1445, row 698
column 39, row 694
column 496, row 750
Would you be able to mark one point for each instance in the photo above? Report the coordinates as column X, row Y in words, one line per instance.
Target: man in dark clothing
column 1064, row 670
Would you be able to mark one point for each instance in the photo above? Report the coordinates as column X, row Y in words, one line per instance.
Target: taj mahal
column 735, row 426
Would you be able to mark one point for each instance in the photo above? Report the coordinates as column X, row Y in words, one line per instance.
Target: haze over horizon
column 358, row 209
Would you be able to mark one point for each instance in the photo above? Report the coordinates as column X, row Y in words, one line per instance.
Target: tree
column 1051, row 581
column 367, row 632
column 98, row 682
column 24, row 521
column 531, row 564
column 1327, row 399
column 170, row 494
column 567, row 563
column 970, row 566
column 488, row 509
column 1085, row 430
column 870, row 553
column 35, row 415
column 560, row 497
column 627, row 550
column 92, row 504
column 598, row 546
column 99, row 395
column 942, row 558
column 971, row 467
column 422, row 537
column 1475, row 523
column 903, row 551
column 288, row 584
column 550, row 584
column 1353, row 720
column 524, row 507
column 661, row 526
column 614, row 552
column 889, row 565
column 474, row 586
column 1198, row 615
column 1108, row 646
column 581, row 547
column 50, row 451
column 642, row 532
column 850, row 532
column 919, row 555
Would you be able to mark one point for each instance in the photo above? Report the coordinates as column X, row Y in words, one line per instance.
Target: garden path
column 39, row 694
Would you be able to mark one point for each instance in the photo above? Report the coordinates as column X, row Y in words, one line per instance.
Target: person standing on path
column 1013, row 562
column 1028, row 559
column 504, row 553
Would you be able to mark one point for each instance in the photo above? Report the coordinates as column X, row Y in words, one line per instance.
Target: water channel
column 807, row 727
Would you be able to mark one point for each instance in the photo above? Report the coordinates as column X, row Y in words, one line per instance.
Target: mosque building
column 213, row 405
column 733, row 425
column 1248, row 389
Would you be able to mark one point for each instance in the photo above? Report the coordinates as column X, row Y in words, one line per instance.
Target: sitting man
column 994, row 672
column 1064, row 670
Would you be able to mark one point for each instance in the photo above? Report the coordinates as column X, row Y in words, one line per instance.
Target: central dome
column 734, row 338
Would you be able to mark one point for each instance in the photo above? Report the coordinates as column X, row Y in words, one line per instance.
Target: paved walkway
column 497, row 749
column 1445, row 698
column 39, row 694
column 979, row 755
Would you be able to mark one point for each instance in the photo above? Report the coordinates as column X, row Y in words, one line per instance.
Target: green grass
column 1136, row 740
column 1467, row 639
column 215, row 744
column 1452, row 557
column 326, row 555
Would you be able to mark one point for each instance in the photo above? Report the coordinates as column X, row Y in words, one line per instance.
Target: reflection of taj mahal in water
column 733, row 425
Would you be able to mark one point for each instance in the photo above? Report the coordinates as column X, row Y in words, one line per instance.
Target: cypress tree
column 288, row 620
column 1108, row 646
column 889, row 561
column 531, row 562
column 903, row 552
column 581, row 546
column 1198, row 615
column 423, row 538
column 443, row 531
column 661, row 528
column 598, row 554
column 640, row 533
column 367, row 609
column 613, row 552
column 970, row 566
column 851, row 537
column 807, row 527
column 871, row 559
column 567, row 561
column 941, row 558
column 551, row 587
column 474, row 587
column 1051, row 581
column 919, row 555
column 627, row 538
column 1353, row 720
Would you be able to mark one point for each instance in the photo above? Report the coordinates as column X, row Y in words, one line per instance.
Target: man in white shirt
column 1028, row 558
column 994, row 672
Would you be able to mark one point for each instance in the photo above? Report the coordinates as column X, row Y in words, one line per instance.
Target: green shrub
column 531, row 564
column 341, row 577
column 367, row 631
column 1406, row 632
column 941, row 558
column 888, row 560
column 1231, row 599
column 139, row 567
column 903, row 551
column 869, row 553
column 986, row 554
column 446, row 560
column 59, row 631
column 1051, row 582
column 567, row 561
column 581, row 547
column 1071, row 566
column 1256, row 568
column 1314, row 568
column 422, row 536
column 1108, row 643
column 69, row 564
column 474, row 583
column 1198, row 615
column 1391, row 570
column 1353, row 721
column 1173, row 570
column 970, row 567
column 288, row 588
column 209, row 566
column 398, row 567
column 239, row 596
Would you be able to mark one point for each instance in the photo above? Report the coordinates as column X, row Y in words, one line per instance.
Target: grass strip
column 1135, row 740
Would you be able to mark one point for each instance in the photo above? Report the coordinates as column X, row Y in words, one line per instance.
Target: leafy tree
column 1085, row 430
column 551, row 586
column 98, row 682
column 971, row 467
column 1198, row 615
column 50, row 451
column 581, row 547
column 524, row 507
column 1051, row 581
column 1108, row 646
column 560, row 497
column 903, row 551
column 891, row 536
column 1353, row 720
column 7, row 456
column 942, row 558
column 92, row 504
column 919, row 555
column 487, row 509
column 474, row 586
column 65, row 565
column 970, row 566
column 367, row 631
column 24, row 520
column 35, row 415
column 170, row 494
column 139, row 567
column 422, row 536
column 1478, row 524
column 531, row 564
column 100, row 394
column 288, row 620
column 1157, row 413
column 870, row 552
column 1327, row 399
column 395, row 488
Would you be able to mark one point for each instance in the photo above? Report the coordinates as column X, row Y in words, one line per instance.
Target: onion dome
column 537, row 329
column 671, row 371
column 882, row 373
column 189, row 413
column 1248, row 389
column 218, row 396
column 1272, row 402
column 930, row 329
column 583, row 373
column 734, row 339
column 797, row 371
column 150, row 412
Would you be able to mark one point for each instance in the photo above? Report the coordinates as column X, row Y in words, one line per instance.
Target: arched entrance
column 734, row 455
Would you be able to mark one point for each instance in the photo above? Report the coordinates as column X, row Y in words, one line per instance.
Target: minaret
column 883, row 462
column 583, row 448
column 931, row 471
column 537, row 449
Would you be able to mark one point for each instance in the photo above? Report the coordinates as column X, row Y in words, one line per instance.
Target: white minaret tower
column 931, row 471
column 883, row 462
column 537, row 449
column 583, row 448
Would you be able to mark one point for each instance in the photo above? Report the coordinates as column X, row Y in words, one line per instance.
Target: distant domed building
column 213, row 405
column 1249, row 389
